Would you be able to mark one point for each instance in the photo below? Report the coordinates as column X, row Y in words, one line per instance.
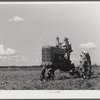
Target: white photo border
column 50, row 94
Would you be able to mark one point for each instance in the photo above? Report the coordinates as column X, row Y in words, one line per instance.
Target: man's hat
column 65, row 39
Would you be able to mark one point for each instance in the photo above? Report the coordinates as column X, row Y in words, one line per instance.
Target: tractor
column 53, row 59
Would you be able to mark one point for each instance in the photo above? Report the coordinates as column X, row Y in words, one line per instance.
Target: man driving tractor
column 66, row 46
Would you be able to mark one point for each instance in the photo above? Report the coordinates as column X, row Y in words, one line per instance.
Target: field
column 22, row 79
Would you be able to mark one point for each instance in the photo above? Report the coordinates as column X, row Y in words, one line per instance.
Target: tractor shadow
column 63, row 77
column 77, row 77
column 95, row 75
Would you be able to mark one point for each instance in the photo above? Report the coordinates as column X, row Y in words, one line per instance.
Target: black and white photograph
column 50, row 46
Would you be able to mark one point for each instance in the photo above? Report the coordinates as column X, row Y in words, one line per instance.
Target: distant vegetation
column 28, row 67
column 20, row 68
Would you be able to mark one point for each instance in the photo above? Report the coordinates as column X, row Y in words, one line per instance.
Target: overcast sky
column 25, row 28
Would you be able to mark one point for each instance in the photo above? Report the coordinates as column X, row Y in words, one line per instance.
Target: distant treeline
column 36, row 66
column 20, row 66
column 14, row 68
column 23, row 68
